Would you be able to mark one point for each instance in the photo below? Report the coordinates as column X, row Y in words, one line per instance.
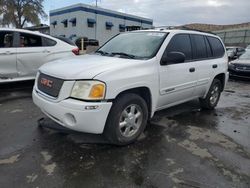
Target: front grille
column 243, row 67
column 49, row 85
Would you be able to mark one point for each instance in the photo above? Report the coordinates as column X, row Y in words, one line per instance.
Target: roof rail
column 182, row 28
column 189, row 29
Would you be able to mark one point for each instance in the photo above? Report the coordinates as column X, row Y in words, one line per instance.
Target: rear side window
column 209, row 50
column 29, row 40
column 180, row 43
column 48, row 42
column 200, row 51
column 217, row 47
column 6, row 39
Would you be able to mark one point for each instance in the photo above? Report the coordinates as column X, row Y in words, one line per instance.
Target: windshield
column 134, row 45
column 245, row 56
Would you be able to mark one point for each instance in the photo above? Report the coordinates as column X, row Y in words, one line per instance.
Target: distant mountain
column 212, row 27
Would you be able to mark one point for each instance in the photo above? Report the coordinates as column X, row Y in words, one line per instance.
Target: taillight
column 76, row 51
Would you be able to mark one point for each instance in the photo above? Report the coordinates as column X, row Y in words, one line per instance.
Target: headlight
column 88, row 90
column 231, row 65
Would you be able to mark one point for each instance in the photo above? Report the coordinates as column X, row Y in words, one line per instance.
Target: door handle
column 7, row 53
column 46, row 51
column 215, row 66
column 192, row 69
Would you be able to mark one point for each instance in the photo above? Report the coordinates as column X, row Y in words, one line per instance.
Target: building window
column 122, row 28
column 109, row 25
column 73, row 21
column 91, row 22
column 65, row 23
column 54, row 23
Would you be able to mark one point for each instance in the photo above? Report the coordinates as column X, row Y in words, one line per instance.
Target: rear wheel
column 213, row 95
column 127, row 119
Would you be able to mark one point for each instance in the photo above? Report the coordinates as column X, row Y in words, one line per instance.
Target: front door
column 177, row 81
column 30, row 54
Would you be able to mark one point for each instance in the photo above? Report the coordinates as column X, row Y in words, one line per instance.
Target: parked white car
column 119, row 88
column 22, row 52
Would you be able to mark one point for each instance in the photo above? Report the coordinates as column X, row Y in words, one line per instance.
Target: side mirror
column 173, row 58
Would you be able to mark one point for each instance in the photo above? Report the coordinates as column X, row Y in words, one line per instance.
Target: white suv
column 116, row 90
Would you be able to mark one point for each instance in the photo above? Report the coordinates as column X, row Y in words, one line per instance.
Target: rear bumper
column 73, row 114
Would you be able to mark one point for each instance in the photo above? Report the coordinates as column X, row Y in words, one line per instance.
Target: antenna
column 96, row 2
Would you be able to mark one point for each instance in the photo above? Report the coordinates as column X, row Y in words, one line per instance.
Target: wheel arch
column 222, row 78
column 143, row 92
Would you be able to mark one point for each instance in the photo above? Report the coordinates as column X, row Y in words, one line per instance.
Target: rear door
column 8, row 69
column 177, row 81
column 208, row 56
column 30, row 54
column 204, row 62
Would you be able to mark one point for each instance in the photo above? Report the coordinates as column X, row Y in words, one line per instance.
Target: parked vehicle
column 22, row 52
column 235, row 52
column 248, row 48
column 240, row 67
column 119, row 88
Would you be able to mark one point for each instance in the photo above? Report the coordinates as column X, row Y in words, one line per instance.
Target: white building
column 83, row 20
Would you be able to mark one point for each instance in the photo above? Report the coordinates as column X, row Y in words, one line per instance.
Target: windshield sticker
column 156, row 34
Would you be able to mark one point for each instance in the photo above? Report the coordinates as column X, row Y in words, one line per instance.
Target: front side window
column 29, row 40
column 180, row 43
column 136, row 45
column 6, row 39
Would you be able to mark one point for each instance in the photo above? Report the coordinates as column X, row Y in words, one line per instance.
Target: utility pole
column 96, row 2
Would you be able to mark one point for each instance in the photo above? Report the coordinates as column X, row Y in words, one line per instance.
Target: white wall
column 82, row 29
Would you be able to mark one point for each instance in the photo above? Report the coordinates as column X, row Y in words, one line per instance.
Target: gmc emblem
column 46, row 82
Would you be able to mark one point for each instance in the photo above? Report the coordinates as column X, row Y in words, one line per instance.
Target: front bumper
column 74, row 114
column 239, row 73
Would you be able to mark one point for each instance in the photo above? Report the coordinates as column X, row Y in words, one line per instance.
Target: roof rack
column 181, row 28
column 189, row 29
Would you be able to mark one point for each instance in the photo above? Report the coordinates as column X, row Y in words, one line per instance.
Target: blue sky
column 172, row 12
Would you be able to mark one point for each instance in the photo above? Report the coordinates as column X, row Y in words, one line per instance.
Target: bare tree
column 20, row 12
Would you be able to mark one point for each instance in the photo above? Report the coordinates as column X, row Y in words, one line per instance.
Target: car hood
column 85, row 67
column 241, row 62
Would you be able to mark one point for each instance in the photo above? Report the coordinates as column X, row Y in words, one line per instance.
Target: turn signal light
column 97, row 91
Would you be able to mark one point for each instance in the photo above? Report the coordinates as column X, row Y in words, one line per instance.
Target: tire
column 127, row 110
column 213, row 95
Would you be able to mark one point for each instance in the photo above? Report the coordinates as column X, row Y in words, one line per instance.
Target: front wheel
column 213, row 95
column 127, row 119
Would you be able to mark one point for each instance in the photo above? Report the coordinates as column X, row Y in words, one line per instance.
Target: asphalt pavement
column 182, row 146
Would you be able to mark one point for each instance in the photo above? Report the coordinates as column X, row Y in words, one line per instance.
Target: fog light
column 70, row 119
column 91, row 107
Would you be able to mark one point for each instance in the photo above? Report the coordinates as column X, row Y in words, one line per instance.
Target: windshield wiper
column 124, row 54
column 102, row 52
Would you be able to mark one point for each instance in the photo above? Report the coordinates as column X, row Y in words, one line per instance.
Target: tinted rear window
column 201, row 49
column 48, row 42
column 217, row 47
column 68, row 41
